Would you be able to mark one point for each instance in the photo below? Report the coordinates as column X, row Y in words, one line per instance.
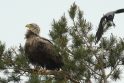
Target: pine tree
column 74, row 41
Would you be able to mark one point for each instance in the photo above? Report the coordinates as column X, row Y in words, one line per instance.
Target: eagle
column 40, row 51
column 106, row 22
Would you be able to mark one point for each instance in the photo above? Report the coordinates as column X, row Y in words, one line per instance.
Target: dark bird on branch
column 106, row 22
column 40, row 51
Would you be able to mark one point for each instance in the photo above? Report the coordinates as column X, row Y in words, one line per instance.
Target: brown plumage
column 40, row 51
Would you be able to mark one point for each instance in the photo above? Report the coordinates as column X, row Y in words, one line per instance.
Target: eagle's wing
column 100, row 30
column 108, row 17
column 45, row 46
column 119, row 11
column 46, row 40
column 53, row 58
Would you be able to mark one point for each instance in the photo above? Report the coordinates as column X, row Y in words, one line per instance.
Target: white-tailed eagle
column 40, row 51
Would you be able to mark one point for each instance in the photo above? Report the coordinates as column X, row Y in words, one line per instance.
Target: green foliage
column 74, row 41
column 2, row 80
column 72, row 11
column 34, row 79
column 116, row 74
column 2, row 48
column 82, row 59
column 14, row 78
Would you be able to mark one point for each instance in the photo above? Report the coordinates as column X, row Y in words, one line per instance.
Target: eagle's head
column 33, row 28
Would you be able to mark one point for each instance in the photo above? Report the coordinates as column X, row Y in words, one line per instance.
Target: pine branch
column 56, row 73
column 84, row 39
column 91, row 69
column 114, row 68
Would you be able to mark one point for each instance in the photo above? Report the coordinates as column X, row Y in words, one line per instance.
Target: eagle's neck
column 30, row 34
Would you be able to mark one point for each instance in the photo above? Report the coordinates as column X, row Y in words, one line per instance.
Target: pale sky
column 15, row 14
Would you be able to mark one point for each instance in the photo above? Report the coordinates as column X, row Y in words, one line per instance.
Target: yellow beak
column 28, row 26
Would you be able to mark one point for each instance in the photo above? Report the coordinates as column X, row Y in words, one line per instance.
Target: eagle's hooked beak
column 28, row 26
